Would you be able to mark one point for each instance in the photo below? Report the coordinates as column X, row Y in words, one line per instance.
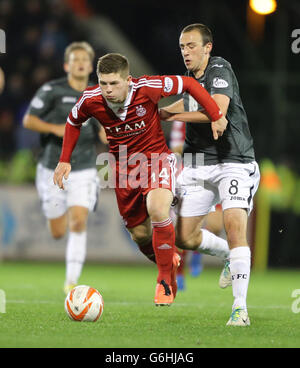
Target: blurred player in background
column 128, row 109
column 229, row 171
column 213, row 221
column 47, row 114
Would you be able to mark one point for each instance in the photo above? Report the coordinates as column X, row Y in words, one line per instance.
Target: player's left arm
column 197, row 116
column 218, row 127
column 219, row 84
column 174, row 85
column 215, row 115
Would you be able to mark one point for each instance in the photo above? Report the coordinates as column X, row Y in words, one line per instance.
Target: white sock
column 240, row 260
column 213, row 245
column 75, row 256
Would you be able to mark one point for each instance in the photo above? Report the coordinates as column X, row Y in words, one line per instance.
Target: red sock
column 163, row 240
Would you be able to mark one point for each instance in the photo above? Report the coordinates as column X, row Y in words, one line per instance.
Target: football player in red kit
column 144, row 167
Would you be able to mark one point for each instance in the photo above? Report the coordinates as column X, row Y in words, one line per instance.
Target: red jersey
column 137, row 125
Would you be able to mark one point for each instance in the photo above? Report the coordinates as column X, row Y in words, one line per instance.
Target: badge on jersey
column 168, row 85
column 69, row 99
column 140, row 111
column 37, row 103
column 220, row 83
column 75, row 112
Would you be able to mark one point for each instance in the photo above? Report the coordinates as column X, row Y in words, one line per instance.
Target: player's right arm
column 63, row 167
column 42, row 102
column 36, row 124
column 61, row 172
column 76, row 118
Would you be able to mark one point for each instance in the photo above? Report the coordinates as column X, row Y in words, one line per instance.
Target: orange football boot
column 163, row 294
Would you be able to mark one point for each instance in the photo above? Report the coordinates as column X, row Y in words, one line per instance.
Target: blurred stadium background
column 263, row 52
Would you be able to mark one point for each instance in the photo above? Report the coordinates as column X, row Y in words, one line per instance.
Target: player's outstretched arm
column 203, row 98
column 63, row 168
column 61, row 172
column 213, row 111
column 71, row 137
column 36, row 124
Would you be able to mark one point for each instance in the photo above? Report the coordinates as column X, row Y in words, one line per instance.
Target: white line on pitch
column 147, row 303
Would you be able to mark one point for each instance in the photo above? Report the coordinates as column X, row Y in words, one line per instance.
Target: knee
column 185, row 242
column 158, row 213
column 77, row 224
column 140, row 238
column 57, row 233
column 57, row 229
column 158, row 204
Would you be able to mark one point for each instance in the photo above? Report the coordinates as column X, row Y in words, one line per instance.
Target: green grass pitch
column 35, row 315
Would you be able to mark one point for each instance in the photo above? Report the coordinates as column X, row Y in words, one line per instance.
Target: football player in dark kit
column 47, row 113
column 228, row 172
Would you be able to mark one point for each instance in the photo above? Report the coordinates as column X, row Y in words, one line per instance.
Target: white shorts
column 81, row 189
column 233, row 185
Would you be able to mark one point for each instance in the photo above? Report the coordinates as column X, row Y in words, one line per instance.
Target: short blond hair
column 83, row 45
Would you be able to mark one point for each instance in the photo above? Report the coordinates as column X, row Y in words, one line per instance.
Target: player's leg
column 215, row 224
column 237, row 189
column 58, row 226
column 235, row 221
column 191, row 236
column 158, row 203
column 76, row 245
column 53, row 202
column 196, row 264
column 82, row 190
column 180, row 276
column 195, row 202
column 142, row 236
column 214, row 221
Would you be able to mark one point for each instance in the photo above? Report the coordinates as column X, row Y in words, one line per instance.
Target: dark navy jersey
column 236, row 144
column 52, row 103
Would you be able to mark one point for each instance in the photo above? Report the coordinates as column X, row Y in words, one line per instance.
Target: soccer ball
column 84, row 304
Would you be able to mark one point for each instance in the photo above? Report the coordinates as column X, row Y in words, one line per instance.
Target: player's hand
column 218, row 127
column 61, row 172
column 58, row 130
